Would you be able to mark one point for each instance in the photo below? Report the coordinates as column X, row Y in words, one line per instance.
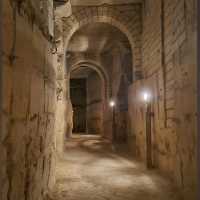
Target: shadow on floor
column 92, row 169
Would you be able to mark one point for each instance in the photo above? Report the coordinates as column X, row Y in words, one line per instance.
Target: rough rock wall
column 28, row 110
column 114, row 65
column 169, row 65
column 94, row 104
column 64, row 115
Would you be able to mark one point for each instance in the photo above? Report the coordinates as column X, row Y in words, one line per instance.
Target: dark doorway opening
column 86, row 93
column 78, row 93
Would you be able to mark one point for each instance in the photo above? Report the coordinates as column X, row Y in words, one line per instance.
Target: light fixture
column 112, row 103
column 146, row 96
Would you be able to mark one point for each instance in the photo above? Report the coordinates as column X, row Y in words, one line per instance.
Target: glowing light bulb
column 146, row 96
column 112, row 103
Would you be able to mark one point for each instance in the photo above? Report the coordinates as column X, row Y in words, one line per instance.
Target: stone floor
column 93, row 170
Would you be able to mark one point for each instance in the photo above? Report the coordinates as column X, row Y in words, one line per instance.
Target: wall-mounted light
column 147, row 99
column 146, row 96
column 112, row 103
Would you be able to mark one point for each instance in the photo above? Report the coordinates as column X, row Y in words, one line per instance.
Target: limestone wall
column 95, row 109
column 169, row 66
column 28, row 111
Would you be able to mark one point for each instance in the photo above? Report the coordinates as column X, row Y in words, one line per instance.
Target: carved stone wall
column 27, row 142
column 169, row 66
column 95, row 103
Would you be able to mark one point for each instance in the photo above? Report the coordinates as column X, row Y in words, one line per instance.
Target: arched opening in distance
column 110, row 49
column 87, row 98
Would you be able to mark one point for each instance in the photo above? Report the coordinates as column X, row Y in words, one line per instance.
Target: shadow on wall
column 69, row 120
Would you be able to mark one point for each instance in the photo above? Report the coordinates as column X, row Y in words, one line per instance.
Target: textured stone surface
column 95, row 101
column 170, row 76
column 97, row 2
column 28, row 110
column 90, row 169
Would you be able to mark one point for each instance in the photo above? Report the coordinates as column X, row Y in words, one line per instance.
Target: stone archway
column 104, row 80
column 115, row 16
column 101, row 72
column 131, row 27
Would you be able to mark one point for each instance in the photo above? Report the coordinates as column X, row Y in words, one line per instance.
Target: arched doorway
column 110, row 48
column 87, row 98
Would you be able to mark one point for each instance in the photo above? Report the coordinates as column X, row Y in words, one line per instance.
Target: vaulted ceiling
column 98, row 38
column 82, row 72
column 64, row 8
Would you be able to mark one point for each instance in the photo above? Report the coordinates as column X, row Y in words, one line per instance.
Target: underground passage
column 98, row 100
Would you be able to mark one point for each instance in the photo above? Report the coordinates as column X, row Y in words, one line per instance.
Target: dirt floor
column 93, row 170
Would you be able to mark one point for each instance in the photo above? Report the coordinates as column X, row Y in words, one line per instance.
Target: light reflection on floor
column 91, row 170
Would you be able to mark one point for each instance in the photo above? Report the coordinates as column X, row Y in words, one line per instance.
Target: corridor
column 92, row 169
column 98, row 100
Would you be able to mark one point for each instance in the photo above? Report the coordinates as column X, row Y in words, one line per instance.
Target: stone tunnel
column 98, row 100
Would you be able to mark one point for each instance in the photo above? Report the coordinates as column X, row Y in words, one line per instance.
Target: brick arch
column 100, row 71
column 131, row 27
